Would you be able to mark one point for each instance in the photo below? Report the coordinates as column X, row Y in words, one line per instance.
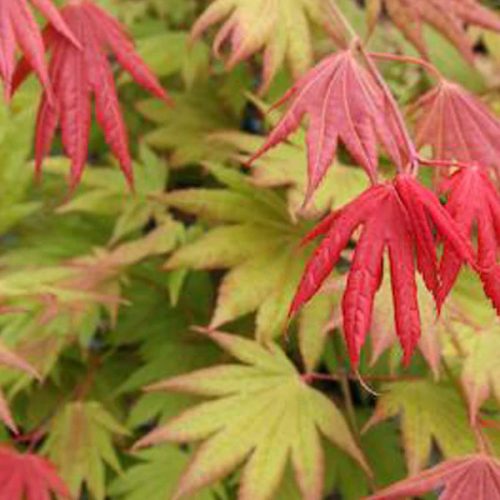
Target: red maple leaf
column 474, row 477
column 395, row 217
column 77, row 75
column 458, row 126
column 449, row 17
column 28, row 476
column 474, row 201
column 344, row 104
column 17, row 24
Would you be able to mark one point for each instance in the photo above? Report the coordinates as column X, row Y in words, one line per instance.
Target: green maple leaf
column 80, row 443
column 429, row 412
column 280, row 28
column 264, row 413
column 155, row 476
column 253, row 236
column 185, row 130
column 481, row 370
column 286, row 167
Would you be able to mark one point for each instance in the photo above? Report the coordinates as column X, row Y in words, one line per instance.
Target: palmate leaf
column 78, row 75
column 278, row 27
column 399, row 218
column 475, row 476
column 252, row 235
column 185, row 130
column 458, row 126
column 430, row 412
column 481, row 373
column 155, row 476
column 80, row 443
column 447, row 16
column 264, row 413
column 345, row 104
column 29, row 477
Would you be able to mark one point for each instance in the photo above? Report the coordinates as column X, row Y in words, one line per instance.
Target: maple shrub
column 250, row 249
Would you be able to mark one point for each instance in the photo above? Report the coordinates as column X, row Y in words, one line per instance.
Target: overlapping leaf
column 278, row 27
column 429, row 412
column 394, row 217
column 77, row 75
column 344, row 104
column 446, row 16
column 253, row 236
column 11, row 360
column 474, row 476
column 481, row 374
column 458, row 126
column 29, row 477
column 17, row 24
column 264, row 413
column 80, row 444
column 473, row 201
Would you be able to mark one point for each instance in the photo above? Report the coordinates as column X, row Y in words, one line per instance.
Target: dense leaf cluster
column 286, row 301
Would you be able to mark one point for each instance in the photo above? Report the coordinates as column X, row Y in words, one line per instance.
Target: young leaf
column 80, row 444
column 429, row 412
column 473, row 200
column 80, row 74
column 28, row 476
column 394, row 217
column 265, row 412
column 475, row 476
column 458, row 126
column 11, row 360
column 17, row 24
column 279, row 27
column 447, row 16
column 344, row 104
column 481, row 373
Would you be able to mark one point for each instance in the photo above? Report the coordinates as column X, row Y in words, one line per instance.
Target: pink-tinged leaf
column 344, row 105
column 77, row 75
column 473, row 201
column 29, row 477
column 449, row 17
column 473, row 477
column 458, row 126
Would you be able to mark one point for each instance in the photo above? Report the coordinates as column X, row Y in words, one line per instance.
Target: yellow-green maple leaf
column 264, row 413
column 80, row 444
column 253, row 236
column 429, row 412
column 481, row 369
column 280, row 28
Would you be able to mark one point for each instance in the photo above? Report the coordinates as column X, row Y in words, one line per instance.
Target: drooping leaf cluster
column 295, row 300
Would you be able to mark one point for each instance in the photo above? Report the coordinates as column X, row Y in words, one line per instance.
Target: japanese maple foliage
column 394, row 217
column 473, row 201
column 77, row 75
column 28, row 476
column 344, row 104
column 458, row 126
column 17, row 24
column 447, row 16
column 475, row 476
